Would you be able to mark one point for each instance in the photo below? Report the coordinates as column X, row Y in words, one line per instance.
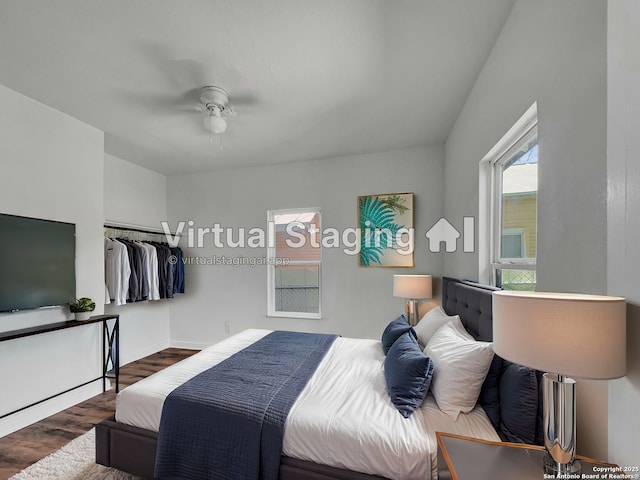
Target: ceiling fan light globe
column 215, row 124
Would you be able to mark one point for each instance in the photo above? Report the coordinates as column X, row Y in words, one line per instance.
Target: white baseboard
column 42, row 410
column 189, row 345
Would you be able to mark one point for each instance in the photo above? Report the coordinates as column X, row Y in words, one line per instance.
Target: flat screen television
column 37, row 263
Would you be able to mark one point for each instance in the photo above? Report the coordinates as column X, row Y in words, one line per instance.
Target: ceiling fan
column 211, row 100
column 214, row 102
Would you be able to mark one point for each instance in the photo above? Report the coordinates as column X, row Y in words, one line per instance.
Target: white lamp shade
column 570, row 334
column 412, row 286
column 215, row 124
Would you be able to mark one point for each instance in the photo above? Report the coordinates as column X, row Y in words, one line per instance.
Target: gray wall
column 553, row 53
column 355, row 301
column 624, row 218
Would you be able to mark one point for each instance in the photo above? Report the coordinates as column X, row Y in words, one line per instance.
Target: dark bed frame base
column 133, row 450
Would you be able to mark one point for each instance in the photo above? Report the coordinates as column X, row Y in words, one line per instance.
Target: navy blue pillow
column 393, row 331
column 489, row 398
column 408, row 372
column 518, row 403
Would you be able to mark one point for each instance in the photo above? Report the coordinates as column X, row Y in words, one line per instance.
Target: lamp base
column 557, row 469
column 559, row 401
column 411, row 312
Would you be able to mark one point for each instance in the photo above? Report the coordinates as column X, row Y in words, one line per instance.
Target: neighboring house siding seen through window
column 295, row 257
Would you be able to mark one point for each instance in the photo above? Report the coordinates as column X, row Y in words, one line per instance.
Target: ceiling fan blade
column 162, row 104
column 190, row 71
column 230, row 111
column 180, row 73
column 210, row 71
column 190, row 97
column 244, row 100
column 182, row 124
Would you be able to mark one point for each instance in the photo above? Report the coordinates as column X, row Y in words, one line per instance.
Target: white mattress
column 343, row 417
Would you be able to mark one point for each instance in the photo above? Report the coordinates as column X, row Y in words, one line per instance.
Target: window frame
column 490, row 213
column 271, row 266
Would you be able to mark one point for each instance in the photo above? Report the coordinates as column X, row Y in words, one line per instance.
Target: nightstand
column 468, row 458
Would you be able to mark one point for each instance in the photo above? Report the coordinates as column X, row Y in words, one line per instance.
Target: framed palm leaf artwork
column 386, row 230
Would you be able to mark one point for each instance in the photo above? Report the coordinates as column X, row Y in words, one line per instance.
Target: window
column 510, row 173
column 294, row 269
column 513, row 245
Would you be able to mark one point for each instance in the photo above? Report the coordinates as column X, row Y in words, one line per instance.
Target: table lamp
column 565, row 335
column 412, row 287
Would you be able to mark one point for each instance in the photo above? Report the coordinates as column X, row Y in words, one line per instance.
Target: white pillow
column 430, row 323
column 460, row 365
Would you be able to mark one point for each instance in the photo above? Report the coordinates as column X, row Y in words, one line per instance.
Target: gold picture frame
column 385, row 223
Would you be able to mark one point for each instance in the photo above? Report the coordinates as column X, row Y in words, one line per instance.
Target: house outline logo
column 444, row 232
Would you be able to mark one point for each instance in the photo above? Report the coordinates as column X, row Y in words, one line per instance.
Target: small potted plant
column 82, row 308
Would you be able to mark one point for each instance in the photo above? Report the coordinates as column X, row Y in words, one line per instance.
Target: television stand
column 110, row 349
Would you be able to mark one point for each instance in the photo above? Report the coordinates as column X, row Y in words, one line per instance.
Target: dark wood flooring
column 24, row 447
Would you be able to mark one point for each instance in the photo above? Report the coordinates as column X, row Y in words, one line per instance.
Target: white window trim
column 271, row 268
column 523, row 136
column 489, row 182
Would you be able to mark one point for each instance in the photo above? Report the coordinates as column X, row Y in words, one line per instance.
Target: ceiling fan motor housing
column 214, row 97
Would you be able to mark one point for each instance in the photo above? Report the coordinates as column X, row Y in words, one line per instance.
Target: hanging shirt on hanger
column 117, row 270
column 143, row 279
column 165, row 270
column 152, row 274
column 133, row 293
column 178, row 278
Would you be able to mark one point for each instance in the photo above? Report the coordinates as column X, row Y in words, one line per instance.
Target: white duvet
column 343, row 417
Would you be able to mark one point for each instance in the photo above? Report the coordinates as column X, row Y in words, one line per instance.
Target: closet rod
column 134, row 228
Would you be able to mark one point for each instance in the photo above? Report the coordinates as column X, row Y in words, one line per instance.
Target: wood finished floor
column 24, row 447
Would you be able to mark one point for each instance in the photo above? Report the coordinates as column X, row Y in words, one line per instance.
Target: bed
column 341, row 425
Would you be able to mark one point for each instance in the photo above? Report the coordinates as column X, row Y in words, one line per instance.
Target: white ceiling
column 313, row 78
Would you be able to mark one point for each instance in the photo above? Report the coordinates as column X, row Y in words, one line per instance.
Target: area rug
column 74, row 461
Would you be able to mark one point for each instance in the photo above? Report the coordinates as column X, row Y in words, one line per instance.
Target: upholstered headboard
column 510, row 394
column 473, row 303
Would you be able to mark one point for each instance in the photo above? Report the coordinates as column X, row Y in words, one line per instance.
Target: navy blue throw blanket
column 227, row 423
